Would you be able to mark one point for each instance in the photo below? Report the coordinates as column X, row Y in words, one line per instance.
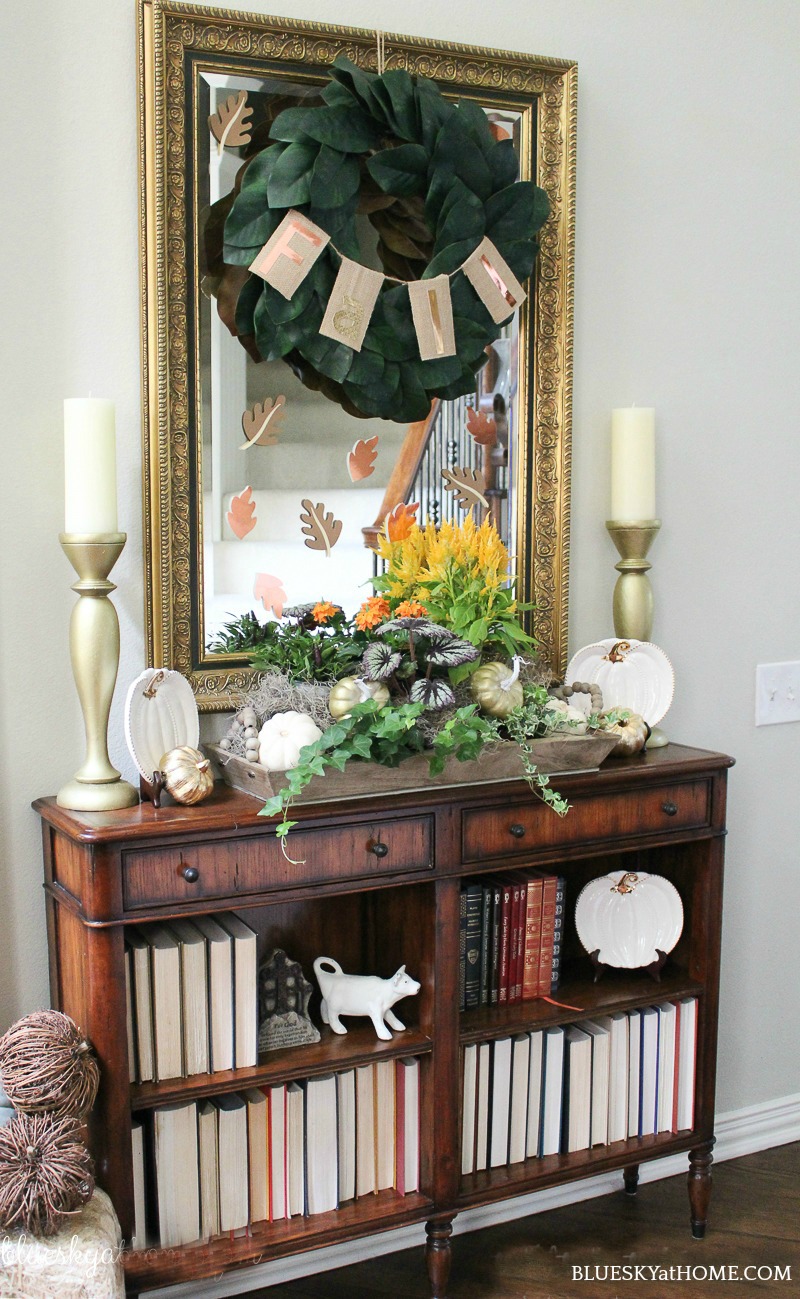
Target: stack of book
column 558, row 1090
column 510, row 939
column 192, row 994
column 299, row 1148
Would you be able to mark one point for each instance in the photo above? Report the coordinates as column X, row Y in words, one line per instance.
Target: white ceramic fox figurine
column 361, row 994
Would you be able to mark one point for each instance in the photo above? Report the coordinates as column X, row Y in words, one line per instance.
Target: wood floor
column 754, row 1220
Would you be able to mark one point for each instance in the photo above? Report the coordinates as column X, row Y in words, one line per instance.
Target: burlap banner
column 351, row 304
column 432, row 311
column 288, row 256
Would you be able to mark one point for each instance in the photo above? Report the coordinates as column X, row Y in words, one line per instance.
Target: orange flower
column 372, row 611
column 323, row 611
column 410, row 609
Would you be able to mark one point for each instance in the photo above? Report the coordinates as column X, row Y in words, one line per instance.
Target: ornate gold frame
column 168, row 31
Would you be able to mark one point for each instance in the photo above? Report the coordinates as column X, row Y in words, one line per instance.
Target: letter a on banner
column 493, row 281
column 287, row 257
column 351, row 304
column 432, row 310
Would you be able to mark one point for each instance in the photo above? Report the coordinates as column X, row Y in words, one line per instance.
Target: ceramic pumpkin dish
column 628, row 917
column 282, row 737
column 632, row 674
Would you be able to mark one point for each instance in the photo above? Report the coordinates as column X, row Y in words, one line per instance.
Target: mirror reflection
column 298, row 446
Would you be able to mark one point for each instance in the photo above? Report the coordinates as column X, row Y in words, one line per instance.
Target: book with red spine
column 545, row 979
column 521, row 916
column 513, row 943
column 506, row 899
column 533, row 935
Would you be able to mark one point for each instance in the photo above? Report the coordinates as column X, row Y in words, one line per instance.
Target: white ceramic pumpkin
column 631, row 674
column 566, row 718
column 160, row 715
column 355, row 690
column 282, row 737
column 628, row 918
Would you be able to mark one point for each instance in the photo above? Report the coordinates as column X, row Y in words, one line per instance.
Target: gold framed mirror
column 198, row 381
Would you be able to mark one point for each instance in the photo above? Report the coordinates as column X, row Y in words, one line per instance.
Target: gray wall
column 687, row 291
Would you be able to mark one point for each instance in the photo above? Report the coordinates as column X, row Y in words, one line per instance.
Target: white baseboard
column 741, row 1132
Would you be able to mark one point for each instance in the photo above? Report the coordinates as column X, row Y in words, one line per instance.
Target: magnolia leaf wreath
column 433, row 180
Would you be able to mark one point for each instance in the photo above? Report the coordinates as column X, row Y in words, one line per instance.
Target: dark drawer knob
column 378, row 848
column 191, row 874
column 669, row 808
column 517, row 830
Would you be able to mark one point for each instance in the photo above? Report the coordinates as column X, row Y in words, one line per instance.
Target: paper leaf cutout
column 468, row 486
column 321, row 529
column 361, row 460
column 229, row 125
column 269, row 590
column 242, row 514
column 401, row 520
column 261, row 424
column 482, row 427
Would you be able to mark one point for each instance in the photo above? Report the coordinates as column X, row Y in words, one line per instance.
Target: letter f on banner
column 290, row 253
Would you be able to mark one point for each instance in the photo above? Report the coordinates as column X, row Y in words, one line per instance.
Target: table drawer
column 194, row 872
column 505, row 831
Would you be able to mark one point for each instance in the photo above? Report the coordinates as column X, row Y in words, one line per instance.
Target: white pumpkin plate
column 160, row 714
column 629, row 929
column 643, row 680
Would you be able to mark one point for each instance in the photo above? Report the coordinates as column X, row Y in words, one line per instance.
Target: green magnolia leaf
column 291, row 123
column 458, row 155
column 503, row 164
column 273, row 342
column 338, row 96
column 367, row 368
column 290, row 182
column 461, row 218
column 433, row 693
column 449, row 259
column 442, row 370
column 403, row 114
column 329, row 357
column 433, row 110
column 476, row 124
column 402, row 170
column 359, row 83
column 283, row 309
column 250, row 221
column 516, row 212
column 335, row 179
column 246, row 303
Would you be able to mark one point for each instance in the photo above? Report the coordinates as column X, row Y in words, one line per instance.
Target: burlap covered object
column 83, row 1261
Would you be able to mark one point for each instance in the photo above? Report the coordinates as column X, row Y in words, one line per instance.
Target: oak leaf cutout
column 468, row 486
column 229, row 125
column 269, row 590
column 321, row 529
column 262, row 422
column 401, row 520
column 481, row 427
column 242, row 514
column 361, row 460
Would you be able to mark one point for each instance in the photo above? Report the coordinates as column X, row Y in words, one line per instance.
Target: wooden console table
column 379, row 886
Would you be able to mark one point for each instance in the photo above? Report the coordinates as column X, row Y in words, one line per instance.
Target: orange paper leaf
column 361, row 460
column 262, row 422
column 269, row 590
column 482, row 427
column 468, row 485
column 401, row 520
column 229, row 125
column 322, row 530
column 242, row 514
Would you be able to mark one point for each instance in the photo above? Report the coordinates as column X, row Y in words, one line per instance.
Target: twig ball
column 47, row 1064
column 45, row 1173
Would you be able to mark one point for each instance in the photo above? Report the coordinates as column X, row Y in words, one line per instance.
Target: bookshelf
column 108, row 872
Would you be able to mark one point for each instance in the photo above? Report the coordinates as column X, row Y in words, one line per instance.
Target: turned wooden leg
column 700, row 1161
column 437, row 1256
column 631, row 1179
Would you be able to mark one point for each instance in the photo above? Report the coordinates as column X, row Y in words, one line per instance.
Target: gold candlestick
column 94, row 651
column 633, row 594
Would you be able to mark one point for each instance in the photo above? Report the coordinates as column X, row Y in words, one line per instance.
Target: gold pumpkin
column 355, row 690
column 496, row 689
column 187, row 774
column 633, row 733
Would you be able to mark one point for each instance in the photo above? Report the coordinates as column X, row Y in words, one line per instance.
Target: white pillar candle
column 633, row 464
column 90, row 465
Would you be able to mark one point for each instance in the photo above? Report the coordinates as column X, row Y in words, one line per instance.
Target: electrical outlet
column 777, row 693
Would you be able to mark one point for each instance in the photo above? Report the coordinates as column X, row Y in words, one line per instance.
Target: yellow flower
column 323, row 611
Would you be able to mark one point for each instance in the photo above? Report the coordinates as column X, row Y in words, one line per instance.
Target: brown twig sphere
column 47, row 1064
column 45, row 1173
